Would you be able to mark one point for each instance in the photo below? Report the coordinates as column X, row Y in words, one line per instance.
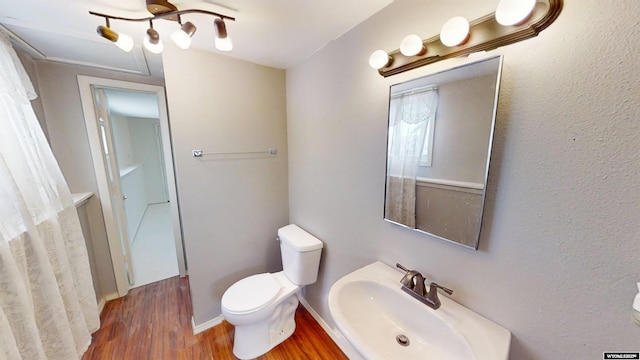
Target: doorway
column 128, row 131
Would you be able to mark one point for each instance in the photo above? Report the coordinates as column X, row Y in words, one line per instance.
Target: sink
column 383, row 322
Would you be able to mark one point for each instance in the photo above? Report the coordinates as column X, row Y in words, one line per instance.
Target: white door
column 110, row 158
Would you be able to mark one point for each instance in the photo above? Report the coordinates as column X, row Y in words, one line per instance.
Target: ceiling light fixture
column 162, row 9
column 152, row 40
column 123, row 41
column 182, row 36
column 223, row 41
column 513, row 21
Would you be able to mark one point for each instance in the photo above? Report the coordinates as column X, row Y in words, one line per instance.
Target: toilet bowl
column 262, row 306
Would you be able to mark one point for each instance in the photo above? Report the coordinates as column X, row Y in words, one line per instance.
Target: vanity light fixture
column 380, row 59
column 163, row 9
column 455, row 31
column 412, row 45
column 513, row 21
column 513, row 12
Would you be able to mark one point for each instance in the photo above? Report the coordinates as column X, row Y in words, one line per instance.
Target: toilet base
column 253, row 340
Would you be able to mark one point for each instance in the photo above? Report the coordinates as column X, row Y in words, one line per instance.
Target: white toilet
column 262, row 306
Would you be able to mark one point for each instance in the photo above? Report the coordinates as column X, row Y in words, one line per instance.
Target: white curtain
column 410, row 115
column 48, row 306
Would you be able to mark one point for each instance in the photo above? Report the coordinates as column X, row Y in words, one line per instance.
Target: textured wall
column 558, row 257
column 232, row 206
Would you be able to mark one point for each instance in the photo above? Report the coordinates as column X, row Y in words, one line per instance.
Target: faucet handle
column 403, row 268
column 433, row 286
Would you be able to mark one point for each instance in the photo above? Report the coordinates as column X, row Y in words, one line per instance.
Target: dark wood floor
column 154, row 322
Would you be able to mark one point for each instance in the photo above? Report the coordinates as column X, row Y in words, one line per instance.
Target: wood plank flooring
column 154, row 322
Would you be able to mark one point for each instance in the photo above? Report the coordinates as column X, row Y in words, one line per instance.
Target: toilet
column 262, row 306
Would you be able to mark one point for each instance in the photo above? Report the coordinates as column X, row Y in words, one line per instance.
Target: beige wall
column 231, row 206
column 558, row 258
column 58, row 86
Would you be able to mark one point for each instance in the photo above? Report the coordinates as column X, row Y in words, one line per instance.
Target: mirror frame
column 496, row 96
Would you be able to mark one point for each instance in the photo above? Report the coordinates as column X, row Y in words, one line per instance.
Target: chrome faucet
column 413, row 284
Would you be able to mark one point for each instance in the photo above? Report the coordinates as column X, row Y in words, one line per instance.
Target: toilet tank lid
column 299, row 239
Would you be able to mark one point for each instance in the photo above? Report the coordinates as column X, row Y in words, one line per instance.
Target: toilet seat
column 251, row 294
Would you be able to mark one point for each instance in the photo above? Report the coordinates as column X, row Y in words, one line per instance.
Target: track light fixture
column 162, row 9
column 123, row 41
column 182, row 36
column 513, row 21
column 223, row 41
column 152, row 40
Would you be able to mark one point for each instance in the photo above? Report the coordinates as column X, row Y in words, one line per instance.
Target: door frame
column 85, row 84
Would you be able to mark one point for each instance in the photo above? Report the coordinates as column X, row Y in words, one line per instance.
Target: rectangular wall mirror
column 438, row 150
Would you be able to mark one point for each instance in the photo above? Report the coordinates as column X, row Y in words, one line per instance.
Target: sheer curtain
column 410, row 114
column 47, row 303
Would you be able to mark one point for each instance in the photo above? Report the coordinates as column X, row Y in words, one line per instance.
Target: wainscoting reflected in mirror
column 439, row 145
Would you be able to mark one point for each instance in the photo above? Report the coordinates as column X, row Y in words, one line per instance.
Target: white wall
column 67, row 135
column 132, row 183
column 122, row 140
column 231, row 206
column 146, row 150
column 558, row 257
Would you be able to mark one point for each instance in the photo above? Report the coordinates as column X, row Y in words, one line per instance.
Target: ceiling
column 275, row 33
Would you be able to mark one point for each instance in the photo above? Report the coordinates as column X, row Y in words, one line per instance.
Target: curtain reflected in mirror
column 439, row 146
column 411, row 118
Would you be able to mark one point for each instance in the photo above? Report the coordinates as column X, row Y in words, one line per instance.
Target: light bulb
column 224, row 44
column 152, row 41
column 124, row 42
column 455, row 31
column 514, row 12
column 412, row 45
column 222, row 41
column 379, row 59
column 182, row 36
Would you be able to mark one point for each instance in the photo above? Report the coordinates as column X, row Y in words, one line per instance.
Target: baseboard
column 334, row 333
column 205, row 325
column 105, row 298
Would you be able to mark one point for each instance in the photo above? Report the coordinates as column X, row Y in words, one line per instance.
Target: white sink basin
column 371, row 311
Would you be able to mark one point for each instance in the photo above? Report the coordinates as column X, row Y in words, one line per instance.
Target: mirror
column 438, row 150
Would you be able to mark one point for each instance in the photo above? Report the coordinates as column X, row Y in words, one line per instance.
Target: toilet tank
column 300, row 254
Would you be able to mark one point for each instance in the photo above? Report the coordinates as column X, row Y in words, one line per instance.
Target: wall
column 231, row 206
column 67, row 135
column 135, row 205
column 558, row 257
column 85, row 222
column 147, row 151
column 121, row 140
